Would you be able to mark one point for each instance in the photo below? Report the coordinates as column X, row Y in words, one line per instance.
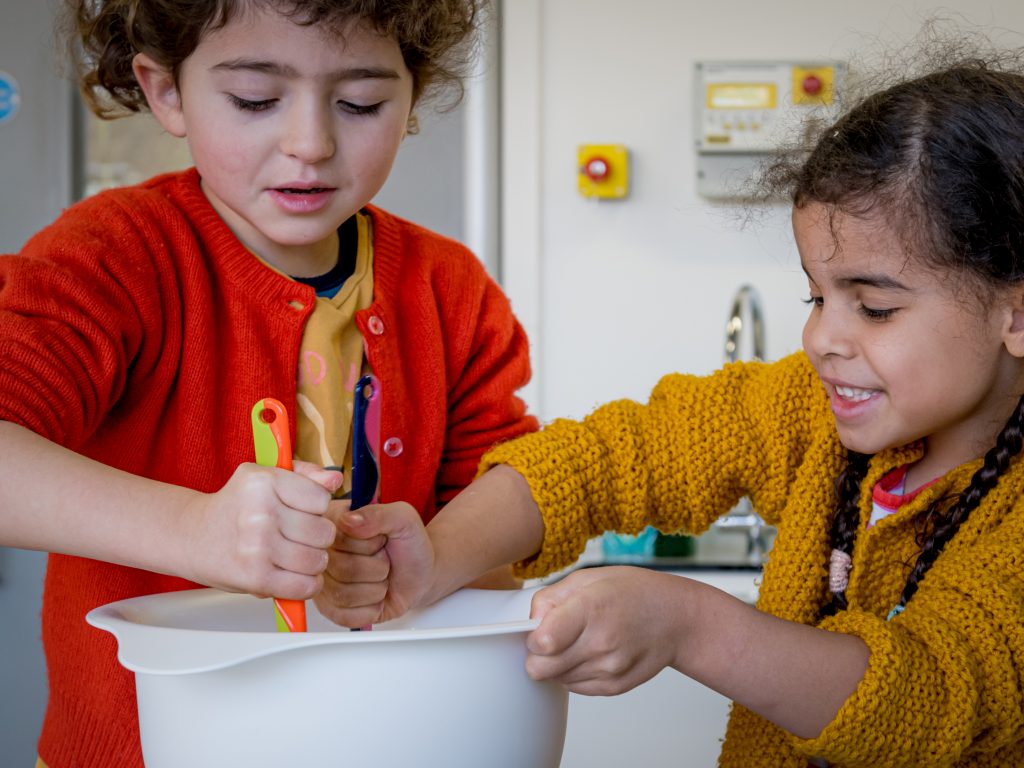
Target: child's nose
column 826, row 332
column 308, row 134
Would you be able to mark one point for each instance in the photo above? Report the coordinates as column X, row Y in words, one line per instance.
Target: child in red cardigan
column 139, row 329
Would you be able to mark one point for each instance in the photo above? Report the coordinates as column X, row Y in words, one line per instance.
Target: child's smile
column 902, row 351
column 849, row 403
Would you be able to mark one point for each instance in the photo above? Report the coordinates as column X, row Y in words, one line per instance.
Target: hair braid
column 846, row 522
column 1008, row 445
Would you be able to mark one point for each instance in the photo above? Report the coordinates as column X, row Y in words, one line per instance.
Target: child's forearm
column 55, row 500
column 791, row 674
column 493, row 522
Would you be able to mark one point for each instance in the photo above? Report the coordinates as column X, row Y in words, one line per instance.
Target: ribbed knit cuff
column 557, row 466
column 75, row 736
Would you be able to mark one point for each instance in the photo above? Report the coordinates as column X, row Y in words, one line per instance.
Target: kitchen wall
column 36, row 179
column 614, row 294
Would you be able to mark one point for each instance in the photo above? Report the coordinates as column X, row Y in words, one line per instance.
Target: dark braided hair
column 846, row 522
column 1008, row 445
column 940, row 158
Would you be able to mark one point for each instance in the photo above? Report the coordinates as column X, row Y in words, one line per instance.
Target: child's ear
column 161, row 93
column 1013, row 336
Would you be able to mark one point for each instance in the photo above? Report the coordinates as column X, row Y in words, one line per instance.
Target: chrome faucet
column 742, row 517
column 747, row 296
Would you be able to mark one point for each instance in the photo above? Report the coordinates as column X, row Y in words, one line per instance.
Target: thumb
column 561, row 625
column 544, row 600
column 553, row 595
column 330, row 478
column 395, row 521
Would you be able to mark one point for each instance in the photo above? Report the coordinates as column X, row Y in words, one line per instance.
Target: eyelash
column 250, row 106
column 247, row 105
column 877, row 315
column 359, row 109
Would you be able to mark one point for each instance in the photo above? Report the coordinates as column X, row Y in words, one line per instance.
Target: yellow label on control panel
column 742, row 96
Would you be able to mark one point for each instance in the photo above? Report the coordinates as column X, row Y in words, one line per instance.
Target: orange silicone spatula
column 273, row 444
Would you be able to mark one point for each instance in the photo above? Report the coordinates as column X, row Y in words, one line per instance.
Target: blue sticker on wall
column 10, row 97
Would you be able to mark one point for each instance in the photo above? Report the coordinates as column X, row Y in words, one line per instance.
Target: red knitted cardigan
column 137, row 330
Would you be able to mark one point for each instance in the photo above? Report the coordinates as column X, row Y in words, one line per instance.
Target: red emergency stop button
column 596, row 168
column 812, row 85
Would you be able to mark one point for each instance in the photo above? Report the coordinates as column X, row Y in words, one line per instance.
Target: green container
column 674, row 545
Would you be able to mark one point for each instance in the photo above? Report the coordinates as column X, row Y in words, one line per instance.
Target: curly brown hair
column 436, row 38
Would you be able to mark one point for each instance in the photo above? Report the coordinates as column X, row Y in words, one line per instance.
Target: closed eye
column 877, row 314
column 247, row 105
column 360, row 109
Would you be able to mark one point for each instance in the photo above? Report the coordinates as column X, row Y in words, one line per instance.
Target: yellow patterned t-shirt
column 331, row 360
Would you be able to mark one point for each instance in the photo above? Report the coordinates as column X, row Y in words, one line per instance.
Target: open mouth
column 853, row 394
column 310, row 191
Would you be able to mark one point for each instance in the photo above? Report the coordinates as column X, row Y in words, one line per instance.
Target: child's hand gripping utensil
column 365, row 439
column 273, row 444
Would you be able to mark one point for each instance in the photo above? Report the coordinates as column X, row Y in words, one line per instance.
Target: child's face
column 292, row 130
column 903, row 353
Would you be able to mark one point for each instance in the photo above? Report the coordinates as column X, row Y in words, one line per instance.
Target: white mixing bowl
column 445, row 686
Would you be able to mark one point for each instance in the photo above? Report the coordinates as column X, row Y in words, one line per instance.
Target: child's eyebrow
column 874, row 281
column 285, row 70
column 883, row 281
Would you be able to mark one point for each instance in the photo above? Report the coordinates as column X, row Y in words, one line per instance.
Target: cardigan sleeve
column 943, row 682
column 488, row 362
column 69, row 322
column 677, row 463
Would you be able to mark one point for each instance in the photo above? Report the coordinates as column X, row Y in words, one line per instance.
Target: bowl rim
column 158, row 649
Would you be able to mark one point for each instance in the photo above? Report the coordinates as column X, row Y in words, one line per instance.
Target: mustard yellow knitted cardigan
column 943, row 685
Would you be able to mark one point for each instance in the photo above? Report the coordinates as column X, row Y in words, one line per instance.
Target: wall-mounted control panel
column 745, row 110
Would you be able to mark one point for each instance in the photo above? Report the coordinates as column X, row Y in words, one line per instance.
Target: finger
column 300, row 492
column 350, row 595
column 298, row 558
column 347, row 617
column 600, row 676
column 390, row 520
column 351, row 545
column 305, row 528
column 354, row 569
column 329, row 479
column 560, row 628
column 582, row 682
column 546, row 599
column 290, row 585
column 556, row 669
column 351, row 535
column 346, row 538
column 552, row 647
column 562, row 591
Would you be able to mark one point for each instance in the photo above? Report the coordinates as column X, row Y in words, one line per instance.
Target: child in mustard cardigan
column 889, row 630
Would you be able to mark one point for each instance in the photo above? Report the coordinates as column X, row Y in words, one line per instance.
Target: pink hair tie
column 839, row 565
